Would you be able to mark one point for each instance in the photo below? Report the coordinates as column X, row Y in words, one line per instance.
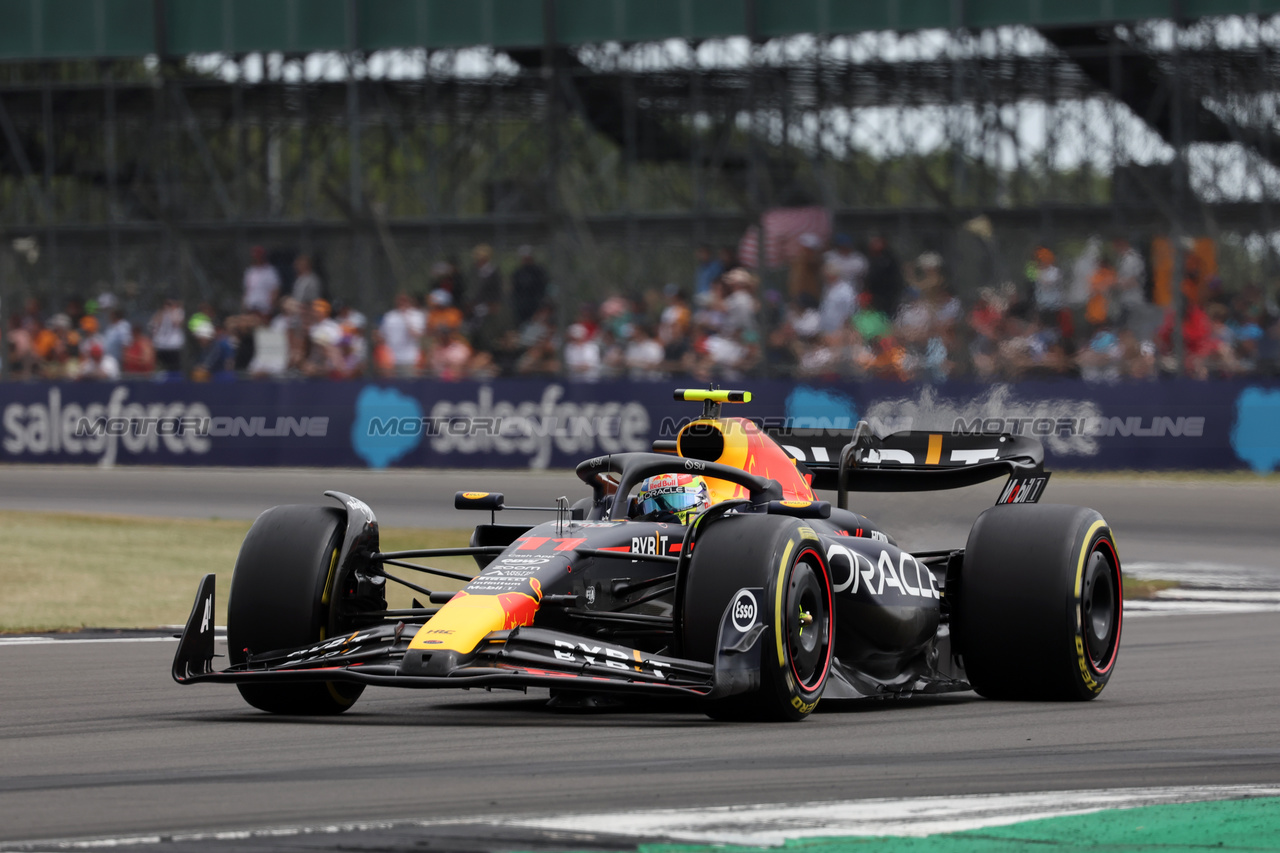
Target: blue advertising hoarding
column 1177, row 424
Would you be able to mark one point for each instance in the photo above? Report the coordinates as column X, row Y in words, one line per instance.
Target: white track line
column 1136, row 608
column 58, row 641
column 219, row 633
column 1256, row 595
column 1204, row 575
column 1208, row 588
column 758, row 825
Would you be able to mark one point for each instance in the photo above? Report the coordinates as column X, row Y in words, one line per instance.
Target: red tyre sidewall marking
column 826, row 664
column 1104, row 540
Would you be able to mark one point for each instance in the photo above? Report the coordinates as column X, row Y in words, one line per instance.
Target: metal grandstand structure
column 145, row 145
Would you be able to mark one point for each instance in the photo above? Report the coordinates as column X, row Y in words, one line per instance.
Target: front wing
column 518, row 658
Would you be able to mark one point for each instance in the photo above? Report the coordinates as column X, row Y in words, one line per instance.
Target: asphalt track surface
column 96, row 740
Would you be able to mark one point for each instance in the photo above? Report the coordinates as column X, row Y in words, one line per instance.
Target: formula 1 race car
column 756, row 602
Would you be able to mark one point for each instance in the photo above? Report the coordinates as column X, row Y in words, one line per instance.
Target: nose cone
column 468, row 618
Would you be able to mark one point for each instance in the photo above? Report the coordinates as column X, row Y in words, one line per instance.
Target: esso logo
column 743, row 611
column 694, row 465
column 524, row 561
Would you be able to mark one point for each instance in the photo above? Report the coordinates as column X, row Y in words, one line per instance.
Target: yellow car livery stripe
column 328, row 582
column 779, row 594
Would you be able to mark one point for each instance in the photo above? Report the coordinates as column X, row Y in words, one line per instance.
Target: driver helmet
column 672, row 497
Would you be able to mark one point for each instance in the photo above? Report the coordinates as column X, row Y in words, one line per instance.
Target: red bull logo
column 469, row 617
column 746, row 447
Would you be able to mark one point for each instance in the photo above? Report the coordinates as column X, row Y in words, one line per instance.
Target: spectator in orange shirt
column 441, row 312
column 1098, row 309
column 89, row 333
column 62, row 361
column 890, row 361
column 43, row 343
column 1194, row 279
column 47, row 337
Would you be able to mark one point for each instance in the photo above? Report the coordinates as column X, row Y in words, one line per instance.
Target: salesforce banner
column 1178, row 424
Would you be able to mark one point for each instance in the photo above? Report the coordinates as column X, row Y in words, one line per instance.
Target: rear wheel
column 1040, row 604
column 782, row 556
column 282, row 594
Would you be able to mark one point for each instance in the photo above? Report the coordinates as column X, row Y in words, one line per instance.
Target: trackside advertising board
column 1176, row 424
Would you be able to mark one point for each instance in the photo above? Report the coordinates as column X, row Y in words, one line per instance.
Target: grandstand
column 146, row 144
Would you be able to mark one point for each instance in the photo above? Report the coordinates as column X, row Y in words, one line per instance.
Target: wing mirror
column 491, row 501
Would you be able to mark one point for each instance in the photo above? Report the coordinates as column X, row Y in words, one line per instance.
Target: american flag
column 782, row 227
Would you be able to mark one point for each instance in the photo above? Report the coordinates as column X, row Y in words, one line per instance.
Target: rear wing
column 916, row 461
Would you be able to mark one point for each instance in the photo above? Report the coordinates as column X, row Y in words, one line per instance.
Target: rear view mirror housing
column 491, row 501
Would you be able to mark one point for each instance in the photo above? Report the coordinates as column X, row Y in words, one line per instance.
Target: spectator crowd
column 844, row 311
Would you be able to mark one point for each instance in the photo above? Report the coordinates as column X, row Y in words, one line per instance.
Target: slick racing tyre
column 281, row 597
column 782, row 556
column 1040, row 604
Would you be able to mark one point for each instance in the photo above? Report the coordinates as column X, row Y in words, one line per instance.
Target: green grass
column 1143, row 588
column 64, row 572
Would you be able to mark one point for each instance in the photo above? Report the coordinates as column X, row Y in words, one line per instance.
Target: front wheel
column 782, row 556
column 1040, row 603
column 282, row 593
